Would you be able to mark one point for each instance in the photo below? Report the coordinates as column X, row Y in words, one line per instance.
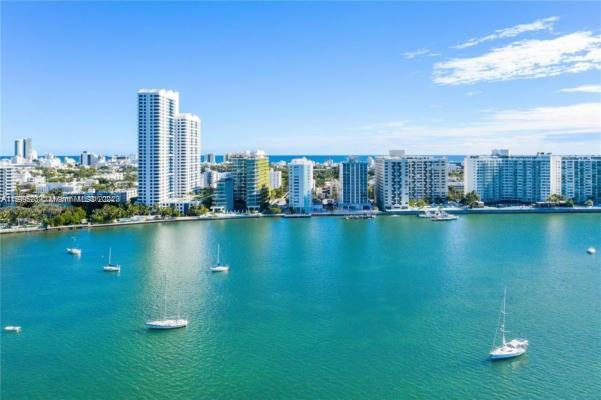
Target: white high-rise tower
column 187, row 154
column 157, row 112
column 168, row 148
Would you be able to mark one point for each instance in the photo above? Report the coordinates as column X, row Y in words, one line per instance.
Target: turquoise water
column 312, row 308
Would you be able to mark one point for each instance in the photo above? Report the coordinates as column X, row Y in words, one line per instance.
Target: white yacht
column 110, row 267
column 219, row 267
column 74, row 251
column 441, row 215
column 11, row 328
column 425, row 214
column 507, row 349
column 167, row 323
column 591, row 250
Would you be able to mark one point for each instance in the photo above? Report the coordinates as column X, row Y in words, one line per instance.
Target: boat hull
column 167, row 324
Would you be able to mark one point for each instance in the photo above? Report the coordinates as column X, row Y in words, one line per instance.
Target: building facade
column 300, row 185
column 168, row 147
column 8, row 184
column 224, row 193
column 501, row 177
column 402, row 178
column 581, row 178
column 250, row 173
column 187, row 154
column 353, row 184
column 275, row 179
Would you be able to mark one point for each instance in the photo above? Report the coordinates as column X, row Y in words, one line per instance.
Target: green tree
column 471, row 199
column 555, row 198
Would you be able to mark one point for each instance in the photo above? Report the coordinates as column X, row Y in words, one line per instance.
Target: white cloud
column 420, row 52
column 538, row 25
column 474, row 93
column 575, row 52
column 583, row 89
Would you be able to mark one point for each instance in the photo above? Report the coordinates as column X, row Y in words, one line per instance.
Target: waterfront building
column 250, row 172
column 8, row 184
column 501, row 177
column 187, row 154
column 23, row 151
column 168, row 144
column 400, row 178
column 300, row 185
column 18, row 148
column 581, row 178
column 275, row 179
column 353, row 184
column 224, row 193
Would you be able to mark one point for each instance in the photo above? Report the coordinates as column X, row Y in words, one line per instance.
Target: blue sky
column 308, row 78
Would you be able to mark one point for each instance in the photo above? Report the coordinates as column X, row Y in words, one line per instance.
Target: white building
column 7, row 181
column 300, row 185
column 24, row 152
column 275, row 179
column 168, row 143
column 187, row 154
column 507, row 178
column 89, row 159
column 581, row 178
column 400, row 178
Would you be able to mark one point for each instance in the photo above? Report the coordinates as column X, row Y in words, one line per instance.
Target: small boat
column 74, row 251
column 507, row 349
column 425, row 214
column 167, row 323
column 441, row 215
column 360, row 216
column 11, row 328
column 219, row 267
column 591, row 250
column 110, row 267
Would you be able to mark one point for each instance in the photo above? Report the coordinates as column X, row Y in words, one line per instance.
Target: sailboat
column 167, row 323
column 508, row 349
column 219, row 267
column 110, row 267
column 74, row 250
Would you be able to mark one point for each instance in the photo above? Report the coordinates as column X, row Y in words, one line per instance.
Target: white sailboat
column 508, row 349
column 110, row 267
column 167, row 323
column 219, row 267
column 74, row 250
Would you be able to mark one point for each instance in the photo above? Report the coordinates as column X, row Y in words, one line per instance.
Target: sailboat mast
column 165, row 299
column 218, row 248
column 503, row 325
column 110, row 249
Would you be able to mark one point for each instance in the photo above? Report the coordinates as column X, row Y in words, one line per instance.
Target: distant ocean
column 287, row 158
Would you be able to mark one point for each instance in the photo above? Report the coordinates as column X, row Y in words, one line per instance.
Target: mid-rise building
column 300, row 185
column 168, row 148
column 400, row 178
column 353, row 184
column 581, row 178
column 275, row 179
column 508, row 178
column 250, row 172
column 187, row 154
column 224, row 193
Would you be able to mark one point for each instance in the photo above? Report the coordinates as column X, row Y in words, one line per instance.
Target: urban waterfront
column 311, row 308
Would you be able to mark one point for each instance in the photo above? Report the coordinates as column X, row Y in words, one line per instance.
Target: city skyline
column 376, row 76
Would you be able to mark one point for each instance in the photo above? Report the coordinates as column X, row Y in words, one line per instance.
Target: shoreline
column 408, row 212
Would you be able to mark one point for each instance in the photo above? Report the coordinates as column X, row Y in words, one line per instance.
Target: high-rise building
column 353, row 184
column 581, row 178
column 210, row 158
column 508, row 178
column 7, row 183
column 168, row 148
column 275, row 179
column 300, row 185
column 27, row 149
column 224, row 193
column 187, row 154
column 250, row 172
column 403, row 178
column 18, row 148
